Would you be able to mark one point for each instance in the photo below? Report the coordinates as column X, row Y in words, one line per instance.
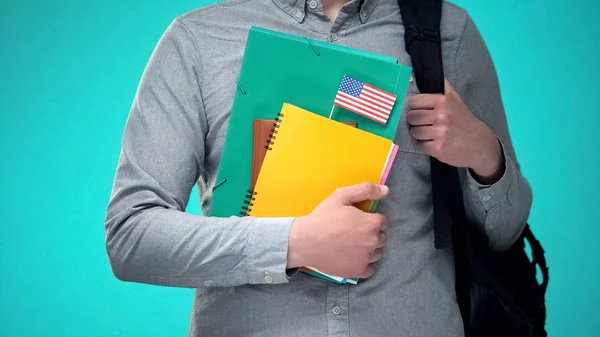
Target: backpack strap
column 421, row 19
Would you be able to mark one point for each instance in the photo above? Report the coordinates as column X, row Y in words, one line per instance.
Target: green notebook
column 280, row 68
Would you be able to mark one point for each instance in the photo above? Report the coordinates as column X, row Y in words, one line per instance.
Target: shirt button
column 207, row 283
column 336, row 310
column 312, row 4
column 268, row 279
column 298, row 14
column 334, row 37
column 486, row 198
column 411, row 79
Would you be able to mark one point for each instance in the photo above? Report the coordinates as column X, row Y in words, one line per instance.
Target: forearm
column 169, row 247
column 500, row 209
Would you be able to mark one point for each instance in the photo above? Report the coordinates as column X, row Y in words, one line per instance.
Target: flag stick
column 331, row 113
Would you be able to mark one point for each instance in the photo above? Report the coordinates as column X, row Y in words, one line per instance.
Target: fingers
column 369, row 271
column 427, row 132
column 382, row 239
column 420, row 117
column 383, row 221
column 357, row 193
column 447, row 87
column 370, row 268
column 376, row 222
column 424, row 101
column 377, row 255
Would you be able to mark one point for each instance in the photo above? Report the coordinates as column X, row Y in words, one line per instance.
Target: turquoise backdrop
column 68, row 73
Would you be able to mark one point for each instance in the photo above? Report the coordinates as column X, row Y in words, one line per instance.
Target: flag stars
column 351, row 86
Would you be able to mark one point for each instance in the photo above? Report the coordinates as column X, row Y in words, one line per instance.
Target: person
column 244, row 269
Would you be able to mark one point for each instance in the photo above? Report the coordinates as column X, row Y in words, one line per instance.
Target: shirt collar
column 297, row 8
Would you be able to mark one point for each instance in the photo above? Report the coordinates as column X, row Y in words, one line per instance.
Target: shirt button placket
column 337, row 310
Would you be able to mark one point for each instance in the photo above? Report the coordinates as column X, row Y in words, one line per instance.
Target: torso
column 412, row 293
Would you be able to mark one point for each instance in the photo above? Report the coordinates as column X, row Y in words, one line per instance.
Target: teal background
column 69, row 71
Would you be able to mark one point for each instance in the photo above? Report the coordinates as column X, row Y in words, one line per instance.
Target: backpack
column 498, row 293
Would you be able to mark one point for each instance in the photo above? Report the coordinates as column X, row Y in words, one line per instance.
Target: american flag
column 365, row 99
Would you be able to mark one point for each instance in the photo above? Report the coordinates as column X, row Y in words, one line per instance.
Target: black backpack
column 498, row 293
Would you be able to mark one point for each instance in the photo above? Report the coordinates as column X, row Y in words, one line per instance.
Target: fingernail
column 384, row 188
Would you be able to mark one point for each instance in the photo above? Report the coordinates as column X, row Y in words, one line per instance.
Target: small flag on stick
column 365, row 99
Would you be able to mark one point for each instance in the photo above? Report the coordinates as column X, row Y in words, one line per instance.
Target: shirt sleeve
column 502, row 208
column 149, row 236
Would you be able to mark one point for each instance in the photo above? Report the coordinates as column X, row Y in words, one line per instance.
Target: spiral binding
column 250, row 196
column 248, row 202
column 274, row 131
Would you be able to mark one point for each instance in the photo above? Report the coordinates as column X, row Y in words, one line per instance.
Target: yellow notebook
column 309, row 157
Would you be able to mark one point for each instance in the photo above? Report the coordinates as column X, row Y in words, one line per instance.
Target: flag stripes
column 365, row 99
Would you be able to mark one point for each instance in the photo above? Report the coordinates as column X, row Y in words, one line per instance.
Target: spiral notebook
column 260, row 136
column 308, row 157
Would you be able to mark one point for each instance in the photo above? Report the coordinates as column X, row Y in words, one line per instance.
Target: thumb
column 447, row 87
column 357, row 193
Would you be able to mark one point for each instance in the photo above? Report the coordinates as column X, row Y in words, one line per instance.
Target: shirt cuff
column 267, row 249
column 490, row 195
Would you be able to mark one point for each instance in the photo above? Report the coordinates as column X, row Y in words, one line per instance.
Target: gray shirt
column 173, row 139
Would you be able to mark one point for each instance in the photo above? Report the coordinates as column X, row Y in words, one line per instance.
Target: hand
column 338, row 238
column 447, row 130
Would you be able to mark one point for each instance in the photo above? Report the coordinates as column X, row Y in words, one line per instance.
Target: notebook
column 308, row 157
column 262, row 129
column 270, row 76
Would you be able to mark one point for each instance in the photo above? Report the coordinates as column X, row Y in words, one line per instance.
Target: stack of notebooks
column 307, row 157
column 285, row 152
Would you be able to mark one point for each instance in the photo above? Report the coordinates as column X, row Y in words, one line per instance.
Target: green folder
column 280, row 68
